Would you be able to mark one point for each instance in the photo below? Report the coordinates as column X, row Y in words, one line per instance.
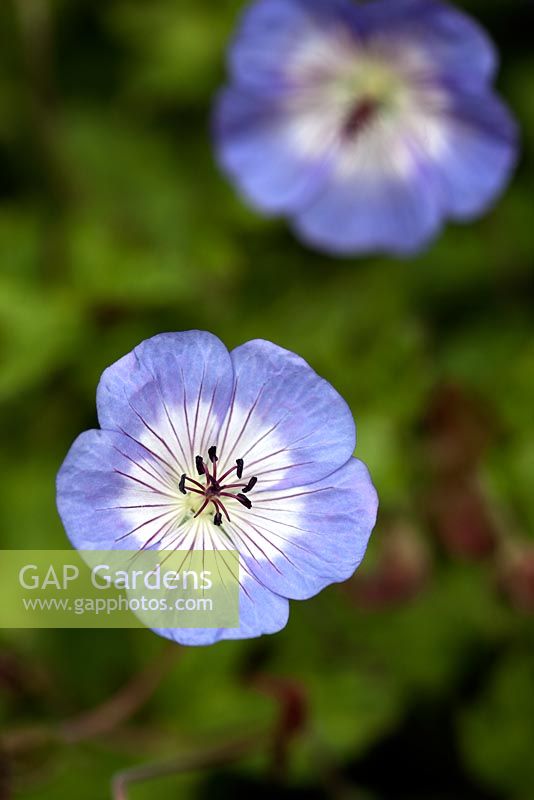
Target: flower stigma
column 215, row 490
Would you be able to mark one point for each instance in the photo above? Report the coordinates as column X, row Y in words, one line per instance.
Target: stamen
column 220, row 507
column 360, row 116
column 195, row 483
column 202, row 507
column 212, row 453
column 250, row 485
column 214, row 489
column 243, row 499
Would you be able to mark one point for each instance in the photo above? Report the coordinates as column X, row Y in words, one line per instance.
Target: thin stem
column 202, row 507
column 206, row 758
column 122, row 705
column 100, row 720
column 191, row 480
column 221, row 507
column 228, row 472
column 196, row 491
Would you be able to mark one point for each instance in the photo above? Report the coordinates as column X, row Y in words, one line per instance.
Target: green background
column 415, row 679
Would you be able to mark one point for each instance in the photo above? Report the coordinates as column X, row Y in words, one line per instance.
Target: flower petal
column 289, row 425
column 260, row 611
column 109, row 498
column 271, row 32
column 113, row 493
column 278, row 156
column 479, row 156
column 386, row 211
column 298, row 541
column 454, row 42
column 171, row 393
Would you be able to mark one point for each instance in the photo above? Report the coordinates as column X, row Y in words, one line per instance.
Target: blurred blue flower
column 366, row 124
column 201, row 448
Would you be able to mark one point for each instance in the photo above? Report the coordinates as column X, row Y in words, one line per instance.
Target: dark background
column 416, row 678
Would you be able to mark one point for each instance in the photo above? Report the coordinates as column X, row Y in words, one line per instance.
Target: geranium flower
column 200, row 448
column 368, row 125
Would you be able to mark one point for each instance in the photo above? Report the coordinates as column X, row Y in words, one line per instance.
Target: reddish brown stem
column 102, row 719
column 204, row 759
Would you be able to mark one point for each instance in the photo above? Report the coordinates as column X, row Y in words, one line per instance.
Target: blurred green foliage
column 115, row 224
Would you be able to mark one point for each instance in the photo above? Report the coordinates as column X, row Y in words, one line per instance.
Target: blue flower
column 366, row 125
column 200, row 447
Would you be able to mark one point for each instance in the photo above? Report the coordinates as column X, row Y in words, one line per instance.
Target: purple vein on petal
column 230, row 414
column 216, row 551
column 292, row 540
column 245, row 423
column 245, row 538
column 203, row 442
column 143, row 524
column 306, row 531
column 296, row 494
column 138, row 480
column 198, row 407
column 184, row 403
column 171, row 469
column 142, row 505
column 169, row 420
column 267, row 433
column 153, row 432
column 151, row 473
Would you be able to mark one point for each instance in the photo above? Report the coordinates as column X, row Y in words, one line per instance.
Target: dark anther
column 361, row 114
column 243, row 499
column 216, row 488
column 212, row 453
column 250, row 485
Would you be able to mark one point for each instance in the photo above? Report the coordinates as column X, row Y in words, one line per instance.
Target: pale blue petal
column 288, row 424
column 300, row 540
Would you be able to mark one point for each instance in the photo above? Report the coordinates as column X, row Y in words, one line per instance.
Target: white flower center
column 372, row 104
